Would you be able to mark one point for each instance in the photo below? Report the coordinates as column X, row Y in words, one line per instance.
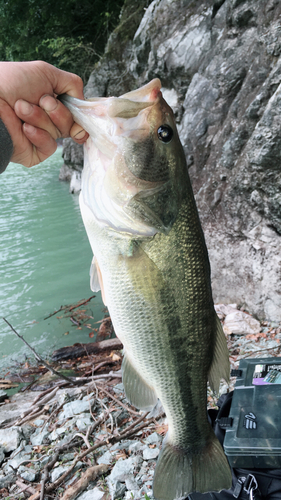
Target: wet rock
column 3, row 395
column 75, row 183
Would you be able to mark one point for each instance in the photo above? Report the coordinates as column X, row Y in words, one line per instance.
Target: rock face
column 220, row 66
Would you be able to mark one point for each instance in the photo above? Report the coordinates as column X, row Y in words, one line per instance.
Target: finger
column 34, row 115
column 58, row 113
column 64, row 82
column 42, row 143
column 31, row 145
column 78, row 134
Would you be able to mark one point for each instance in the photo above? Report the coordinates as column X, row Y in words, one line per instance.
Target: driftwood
column 78, row 350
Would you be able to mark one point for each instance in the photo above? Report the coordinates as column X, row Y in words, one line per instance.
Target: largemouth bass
column 151, row 264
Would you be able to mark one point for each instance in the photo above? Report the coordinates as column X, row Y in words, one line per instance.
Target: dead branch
column 39, row 357
column 81, row 485
column 79, row 350
column 25, row 487
column 118, row 401
column 63, row 308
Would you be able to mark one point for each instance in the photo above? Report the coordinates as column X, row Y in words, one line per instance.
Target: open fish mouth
column 117, row 180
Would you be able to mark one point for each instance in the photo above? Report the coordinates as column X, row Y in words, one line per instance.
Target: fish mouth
column 109, row 187
column 90, row 113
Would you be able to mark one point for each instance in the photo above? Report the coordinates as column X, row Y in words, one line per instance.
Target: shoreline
column 85, row 440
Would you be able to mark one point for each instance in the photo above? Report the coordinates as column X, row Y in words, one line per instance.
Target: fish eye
column 165, row 133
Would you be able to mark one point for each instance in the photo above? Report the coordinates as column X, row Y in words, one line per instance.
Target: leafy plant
column 69, row 34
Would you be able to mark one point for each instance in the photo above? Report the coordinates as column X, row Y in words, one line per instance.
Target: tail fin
column 178, row 472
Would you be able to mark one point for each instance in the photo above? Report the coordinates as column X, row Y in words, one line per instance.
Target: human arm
column 30, row 112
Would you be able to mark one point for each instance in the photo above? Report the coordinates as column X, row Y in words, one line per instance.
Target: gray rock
column 133, row 494
column 136, row 446
column 2, row 455
column 28, row 474
column 153, row 438
column 10, row 440
column 94, row 494
column 221, row 71
column 123, row 468
column 106, row 458
column 240, row 323
column 58, row 471
column 83, row 422
column 75, row 183
column 116, row 488
column 5, row 481
column 39, row 437
column 20, row 457
column 150, row 453
column 74, row 408
column 131, row 483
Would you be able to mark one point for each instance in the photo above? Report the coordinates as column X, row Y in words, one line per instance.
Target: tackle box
column 253, row 435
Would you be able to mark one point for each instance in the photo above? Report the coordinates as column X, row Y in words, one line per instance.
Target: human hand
column 27, row 94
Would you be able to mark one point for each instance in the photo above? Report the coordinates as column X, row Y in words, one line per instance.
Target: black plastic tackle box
column 253, row 439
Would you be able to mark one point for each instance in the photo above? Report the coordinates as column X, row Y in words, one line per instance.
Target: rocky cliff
column 220, row 66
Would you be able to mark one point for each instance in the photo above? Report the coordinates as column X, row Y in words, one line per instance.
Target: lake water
column 44, row 260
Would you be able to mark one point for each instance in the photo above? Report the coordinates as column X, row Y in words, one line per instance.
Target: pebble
column 240, row 323
column 9, row 441
column 74, row 408
column 94, row 494
column 150, row 453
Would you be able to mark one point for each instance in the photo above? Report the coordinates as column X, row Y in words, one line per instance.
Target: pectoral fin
column 137, row 391
column 96, row 282
column 220, row 366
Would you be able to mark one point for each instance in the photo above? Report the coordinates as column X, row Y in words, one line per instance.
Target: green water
column 44, row 260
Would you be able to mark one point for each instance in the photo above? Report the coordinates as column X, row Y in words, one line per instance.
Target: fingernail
column 29, row 128
column 80, row 135
column 48, row 103
column 25, row 107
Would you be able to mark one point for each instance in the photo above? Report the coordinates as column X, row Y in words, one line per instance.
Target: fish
column 152, row 267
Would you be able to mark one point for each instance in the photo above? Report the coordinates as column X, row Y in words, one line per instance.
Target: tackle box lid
column 256, row 414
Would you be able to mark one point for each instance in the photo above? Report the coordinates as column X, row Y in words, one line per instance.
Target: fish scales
column 152, row 263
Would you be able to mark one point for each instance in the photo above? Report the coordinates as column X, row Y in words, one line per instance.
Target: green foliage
column 69, row 34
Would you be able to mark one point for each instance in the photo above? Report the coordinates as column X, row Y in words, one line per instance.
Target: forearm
column 6, row 147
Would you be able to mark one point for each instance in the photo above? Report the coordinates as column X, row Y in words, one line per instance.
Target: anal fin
column 137, row 391
column 220, row 367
